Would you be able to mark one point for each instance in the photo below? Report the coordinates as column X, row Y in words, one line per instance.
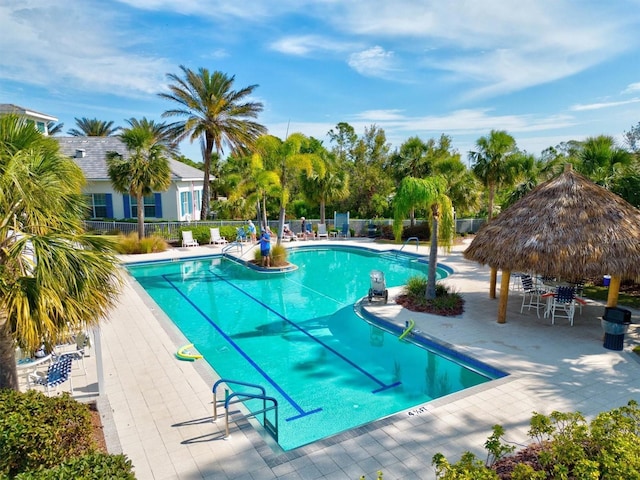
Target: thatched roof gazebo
column 568, row 227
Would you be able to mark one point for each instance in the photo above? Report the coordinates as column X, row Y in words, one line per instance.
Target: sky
column 546, row 71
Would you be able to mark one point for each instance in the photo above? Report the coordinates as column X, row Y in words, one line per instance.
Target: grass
column 595, row 292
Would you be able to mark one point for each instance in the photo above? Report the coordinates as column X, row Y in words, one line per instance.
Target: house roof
column 16, row 109
column 90, row 154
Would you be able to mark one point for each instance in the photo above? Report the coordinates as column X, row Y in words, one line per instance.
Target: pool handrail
column 408, row 240
column 241, row 398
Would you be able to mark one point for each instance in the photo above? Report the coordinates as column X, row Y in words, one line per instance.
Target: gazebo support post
column 492, row 285
column 504, row 296
column 614, row 290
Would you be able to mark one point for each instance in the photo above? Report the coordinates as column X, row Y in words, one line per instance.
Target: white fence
column 171, row 230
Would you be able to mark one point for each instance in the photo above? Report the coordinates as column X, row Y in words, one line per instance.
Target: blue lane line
column 383, row 386
column 292, row 402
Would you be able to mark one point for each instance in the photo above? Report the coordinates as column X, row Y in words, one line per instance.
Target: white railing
column 171, row 230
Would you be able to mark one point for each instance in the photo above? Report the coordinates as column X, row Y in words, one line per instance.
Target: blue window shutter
column 109, row 202
column 127, row 206
column 158, row 205
column 190, row 202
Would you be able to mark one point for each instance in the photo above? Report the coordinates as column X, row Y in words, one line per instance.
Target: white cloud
column 601, row 105
column 632, row 87
column 380, row 115
column 373, row 62
column 306, row 44
column 65, row 47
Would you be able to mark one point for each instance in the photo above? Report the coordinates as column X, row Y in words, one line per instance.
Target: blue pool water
column 296, row 335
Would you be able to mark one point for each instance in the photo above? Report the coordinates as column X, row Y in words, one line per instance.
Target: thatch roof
column 567, row 227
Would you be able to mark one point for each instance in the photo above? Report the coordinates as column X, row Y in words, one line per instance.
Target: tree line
column 250, row 174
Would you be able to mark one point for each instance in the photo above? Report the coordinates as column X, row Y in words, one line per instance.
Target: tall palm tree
column 92, row 127
column 430, row 194
column 146, row 169
column 53, row 276
column 493, row 163
column 215, row 114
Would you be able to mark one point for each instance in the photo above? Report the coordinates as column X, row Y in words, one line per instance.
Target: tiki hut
column 568, row 227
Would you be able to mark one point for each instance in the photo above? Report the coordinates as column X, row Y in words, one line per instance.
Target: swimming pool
column 296, row 335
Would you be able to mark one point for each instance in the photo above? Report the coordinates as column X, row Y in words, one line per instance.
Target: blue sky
column 546, row 71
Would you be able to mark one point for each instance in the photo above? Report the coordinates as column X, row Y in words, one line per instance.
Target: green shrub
column 420, row 230
column 416, row 286
column 564, row 445
column 278, row 256
column 130, row 244
column 200, row 233
column 38, row 431
column 94, row 466
column 152, row 244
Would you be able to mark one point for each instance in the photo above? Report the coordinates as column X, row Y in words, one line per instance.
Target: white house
column 40, row 120
column 182, row 201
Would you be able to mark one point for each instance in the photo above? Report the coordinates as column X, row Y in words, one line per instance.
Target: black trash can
column 372, row 231
column 615, row 323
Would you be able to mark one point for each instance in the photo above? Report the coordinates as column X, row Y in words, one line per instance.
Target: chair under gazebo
column 567, row 227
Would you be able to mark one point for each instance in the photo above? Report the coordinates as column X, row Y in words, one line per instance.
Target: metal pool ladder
column 241, row 397
column 408, row 240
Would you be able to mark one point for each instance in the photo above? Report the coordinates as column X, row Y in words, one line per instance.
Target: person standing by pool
column 252, row 230
column 265, row 248
column 303, row 233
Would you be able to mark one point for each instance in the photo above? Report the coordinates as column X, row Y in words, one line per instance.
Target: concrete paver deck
column 162, row 407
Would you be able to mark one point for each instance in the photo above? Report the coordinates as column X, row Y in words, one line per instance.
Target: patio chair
column 241, row 235
column 57, row 373
column 78, row 351
column 188, row 240
column 322, row 230
column 344, row 233
column 287, row 234
column 532, row 293
column 215, row 237
column 564, row 304
column 579, row 287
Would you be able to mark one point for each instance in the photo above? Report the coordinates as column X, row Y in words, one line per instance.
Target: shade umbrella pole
column 504, row 296
column 494, row 280
column 614, row 290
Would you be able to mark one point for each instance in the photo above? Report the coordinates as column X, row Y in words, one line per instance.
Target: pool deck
column 158, row 410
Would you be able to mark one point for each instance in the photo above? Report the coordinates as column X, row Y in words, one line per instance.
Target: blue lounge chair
column 58, row 373
column 241, row 235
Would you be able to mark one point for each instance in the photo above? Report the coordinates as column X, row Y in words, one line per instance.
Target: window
column 186, row 206
column 149, row 206
column 97, row 203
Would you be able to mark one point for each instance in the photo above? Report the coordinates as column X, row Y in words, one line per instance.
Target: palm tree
column 288, row 159
column 602, row 160
column 53, row 276
column 92, row 127
column 147, row 168
column 256, row 185
column 215, row 114
column 332, row 186
column 492, row 163
column 54, row 128
column 430, row 194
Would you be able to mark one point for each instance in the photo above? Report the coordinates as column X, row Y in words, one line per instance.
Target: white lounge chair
column 188, row 240
column 322, row 230
column 216, row 238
